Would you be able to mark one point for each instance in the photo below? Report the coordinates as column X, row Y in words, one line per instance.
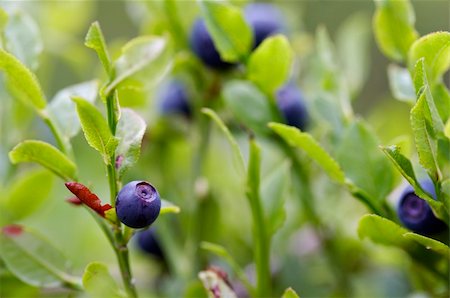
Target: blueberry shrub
column 224, row 149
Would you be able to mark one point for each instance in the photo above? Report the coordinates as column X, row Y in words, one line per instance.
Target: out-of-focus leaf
column 130, row 131
column 95, row 128
column 352, row 44
column 216, row 285
column 27, row 194
column 430, row 243
column 23, row 39
column 232, row 36
column 95, row 40
column 401, row 84
column 45, row 155
column 63, row 110
column 306, row 142
column 441, row 96
column 270, row 64
column 363, row 163
column 33, row 259
column 22, row 81
column 434, row 48
column 98, row 282
column 248, row 104
column 168, row 207
column 394, row 28
column 3, row 21
column 290, row 293
column 237, row 154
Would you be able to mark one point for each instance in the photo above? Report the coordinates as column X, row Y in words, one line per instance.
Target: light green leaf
column 63, row 110
column 447, row 129
column 441, row 96
column 23, row 39
column 248, row 104
column 27, row 194
column 394, row 28
column 22, row 82
column 130, row 131
column 270, row 64
column 401, row 83
column 238, row 159
column 95, row 128
column 147, row 58
column 98, row 282
column 363, row 163
column 290, row 293
column 434, row 48
column 306, row 142
column 168, row 207
column 430, row 243
column 95, row 40
column 231, row 35
column 34, row 260
column 45, row 155
column 3, row 21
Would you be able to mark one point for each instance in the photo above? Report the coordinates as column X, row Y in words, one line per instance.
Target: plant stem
column 62, row 145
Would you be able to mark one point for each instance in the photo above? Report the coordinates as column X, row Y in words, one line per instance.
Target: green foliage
column 95, row 40
column 232, row 36
column 168, row 207
column 98, row 282
column 45, row 155
column 290, row 293
column 401, row 84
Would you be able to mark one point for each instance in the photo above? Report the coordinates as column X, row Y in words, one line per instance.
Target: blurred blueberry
column 147, row 241
column 416, row 214
column 174, row 99
column 265, row 19
column 203, row 46
column 292, row 106
column 138, row 204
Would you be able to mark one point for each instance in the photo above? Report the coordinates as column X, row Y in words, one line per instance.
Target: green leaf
column 441, row 96
column 33, row 259
column 63, row 110
column 290, row 293
column 274, row 189
column 3, row 21
column 23, row 39
column 45, row 155
column 147, row 58
column 270, row 64
column 95, row 128
column 363, row 163
column 394, row 28
column 130, row 131
column 231, row 35
column 22, row 81
column 306, row 142
column 447, row 129
column 238, row 159
column 434, row 48
column 248, row 104
column 401, row 83
column 95, row 40
column 168, row 207
column 98, row 282
column 430, row 243
column 27, row 194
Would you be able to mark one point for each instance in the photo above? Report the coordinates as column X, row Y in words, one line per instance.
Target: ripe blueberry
column 138, row 204
column 416, row 214
column 148, row 242
column 174, row 99
column 203, row 46
column 292, row 106
column 265, row 19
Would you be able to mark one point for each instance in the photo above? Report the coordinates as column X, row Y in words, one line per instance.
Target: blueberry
column 292, row 106
column 416, row 214
column 174, row 99
column 138, row 204
column 148, row 242
column 265, row 19
column 203, row 46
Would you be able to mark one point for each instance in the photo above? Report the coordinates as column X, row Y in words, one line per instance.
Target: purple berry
column 203, row 46
column 138, row 204
column 265, row 19
column 292, row 106
column 147, row 241
column 416, row 214
column 174, row 99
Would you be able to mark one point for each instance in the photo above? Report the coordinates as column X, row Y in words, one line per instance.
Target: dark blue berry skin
column 265, row 19
column 416, row 214
column 292, row 106
column 148, row 242
column 138, row 204
column 203, row 46
column 174, row 99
